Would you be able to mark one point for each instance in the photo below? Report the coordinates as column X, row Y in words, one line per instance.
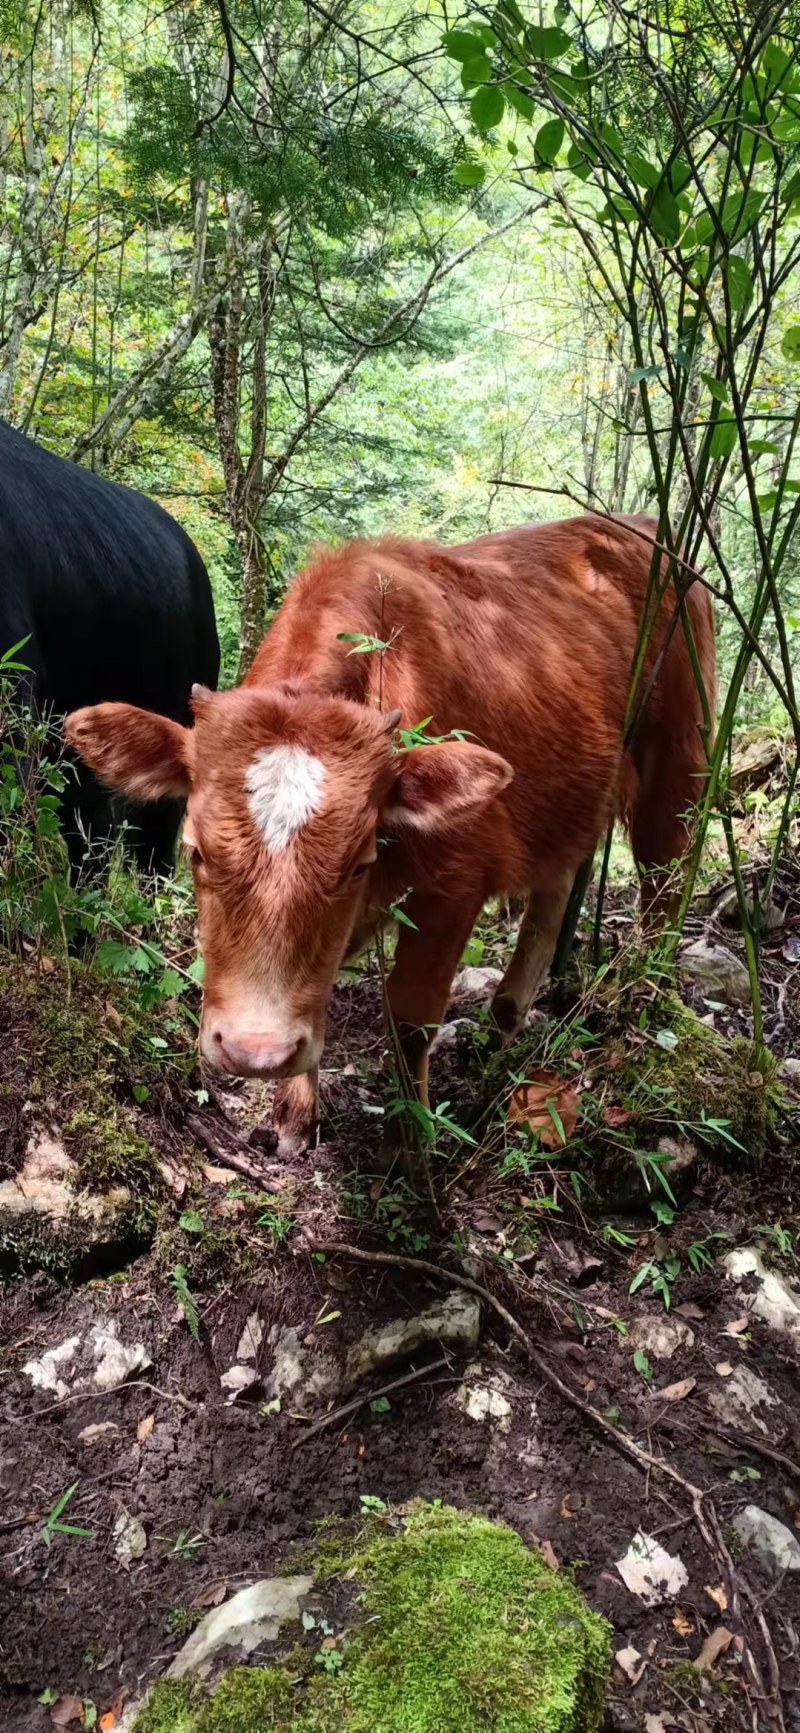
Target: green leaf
column 717, row 387
column 578, row 162
column 638, row 373
column 667, row 1039
column 790, row 346
column 114, row 957
column 664, row 214
column 478, row 70
column 776, row 63
column 197, row 970
column 724, row 436
column 549, row 140
column 380, row 1405
column 738, row 214
column 763, row 448
column 519, row 100
column 469, row 174
column 89, row 1713
column 461, row 45
column 547, row 44
column 767, row 501
column 487, row 107
column 791, row 189
column 642, row 1364
column 740, row 282
column 191, row 1222
column 646, row 174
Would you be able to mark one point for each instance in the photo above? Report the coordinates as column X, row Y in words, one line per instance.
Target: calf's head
column 290, row 795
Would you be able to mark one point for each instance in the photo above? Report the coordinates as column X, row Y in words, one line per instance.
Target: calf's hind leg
column 533, row 954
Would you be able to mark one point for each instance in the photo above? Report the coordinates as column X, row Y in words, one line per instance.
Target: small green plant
column 661, row 1277
column 700, row 1252
column 184, row 1545
column 54, row 1525
column 780, row 1236
column 643, row 1365
column 186, row 1300
column 180, row 1620
column 369, row 1501
column 330, row 1660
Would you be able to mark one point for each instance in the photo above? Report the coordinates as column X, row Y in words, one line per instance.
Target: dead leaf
column 486, row 1222
column 656, row 1724
column 724, row 1368
column 532, row 1102
column 688, row 1309
column 682, row 1624
column 546, row 1550
column 211, row 1596
column 631, row 1663
column 791, row 950
column 47, row 965
column 714, row 1646
column 737, row 1326
column 651, row 1573
column 566, row 1510
column 616, row 1116
column 65, row 1710
column 719, row 1596
column 111, row 1715
column 218, row 1175
column 112, row 1014
column 145, row 1428
column 130, row 1538
column 676, row 1392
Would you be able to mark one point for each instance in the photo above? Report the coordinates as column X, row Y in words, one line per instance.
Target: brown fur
column 524, row 641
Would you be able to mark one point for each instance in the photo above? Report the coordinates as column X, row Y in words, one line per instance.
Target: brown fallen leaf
column 211, row 1596
column 675, row 1392
column 719, row 1596
column 682, row 1623
column 566, row 1507
column 145, row 1428
column 724, row 1368
column 65, row 1710
column 737, row 1326
column 688, row 1309
column 112, row 1014
column 715, row 1645
column 218, row 1175
column 545, row 1103
column 546, row 1550
column 111, row 1715
column 616, row 1116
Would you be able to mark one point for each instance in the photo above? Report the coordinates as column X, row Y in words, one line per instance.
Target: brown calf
column 306, row 823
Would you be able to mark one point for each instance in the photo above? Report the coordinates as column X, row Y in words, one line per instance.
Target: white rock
column 314, row 1374
column 775, row 1301
column 790, row 1070
column 650, row 1572
column 45, row 1186
column 738, row 1397
column 770, row 1539
column 90, row 1434
column 722, row 974
column 661, row 1337
column 236, row 1379
column 44, row 1373
column 447, row 1036
column 252, row 1616
column 251, row 1338
column 482, row 1397
column 129, row 1537
column 479, row 981
column 115, row 1361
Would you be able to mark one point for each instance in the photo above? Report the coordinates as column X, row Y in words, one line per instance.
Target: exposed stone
column 129, row 1537
column 481, row 1396
column 251, row 1338
column 774, row 1300
column 477, row 981
column 790, row 1072
column 446, row 1038
column 736, row 1400
column 774, row 1543
column 101, row 1429
column 315, row 1374
column 97, row 1358
column 44, row 1373
column 661, row 1337
column 115, row 1361
column 719, row 972
column 252, row 1616
column 46, row 1188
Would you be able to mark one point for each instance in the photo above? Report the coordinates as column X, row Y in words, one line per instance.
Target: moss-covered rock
column 453, row 1625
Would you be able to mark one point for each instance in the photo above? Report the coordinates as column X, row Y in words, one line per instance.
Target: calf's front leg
column 295, row 1112
column 416, row 999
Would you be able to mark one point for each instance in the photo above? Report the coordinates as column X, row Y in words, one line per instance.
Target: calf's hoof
column 294, row 1116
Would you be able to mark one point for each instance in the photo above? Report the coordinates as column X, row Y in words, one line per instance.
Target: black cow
column 115, row 602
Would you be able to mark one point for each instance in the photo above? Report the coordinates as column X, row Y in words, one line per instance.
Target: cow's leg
column 154, row 834
column 295, row 1111
column 417, row 994
column 535, row 947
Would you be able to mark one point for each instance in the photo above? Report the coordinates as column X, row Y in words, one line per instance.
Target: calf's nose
column 250, row 1054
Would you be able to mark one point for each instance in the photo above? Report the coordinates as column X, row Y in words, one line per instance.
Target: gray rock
column 774, row 1300
column 252, row 1616
column 479, row 982
column 719, row 972
column 45, row 1188
column 739, row 1396
column 97, row 1358
column 661, row 1337
column 774, row 1543
column 446, row 1038
column 790, row 1072
column 482, row 1396
column 310, row 1374
column 129, row 1537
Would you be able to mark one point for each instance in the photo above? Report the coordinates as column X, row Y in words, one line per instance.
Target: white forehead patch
column 284, row 787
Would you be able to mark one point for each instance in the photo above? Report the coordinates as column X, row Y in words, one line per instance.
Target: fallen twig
column 221, row 1151
column 349, row 1408
column 132, row 1384
column 767, row 1703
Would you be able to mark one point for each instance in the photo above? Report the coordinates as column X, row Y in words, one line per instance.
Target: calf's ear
column 439, row 785
column 133, row 751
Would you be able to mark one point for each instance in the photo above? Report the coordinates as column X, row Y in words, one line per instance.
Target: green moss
column 459, row 1628
column 171, row 1708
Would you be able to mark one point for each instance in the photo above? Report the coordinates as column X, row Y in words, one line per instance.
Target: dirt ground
column 225, row 1489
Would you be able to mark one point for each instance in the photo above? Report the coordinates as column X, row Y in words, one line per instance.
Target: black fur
column 116, row 603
